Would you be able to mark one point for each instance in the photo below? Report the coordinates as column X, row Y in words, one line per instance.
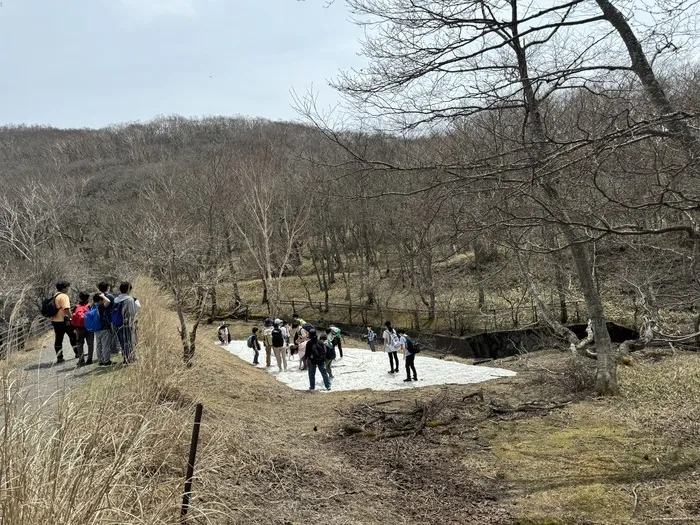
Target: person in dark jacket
column 106, row 289
column 255, row 345
column 316, row 352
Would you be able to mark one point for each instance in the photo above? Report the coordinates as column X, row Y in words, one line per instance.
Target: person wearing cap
column 267, row 341
column 278, row 346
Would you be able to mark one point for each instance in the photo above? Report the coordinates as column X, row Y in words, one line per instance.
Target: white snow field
column 360, row 368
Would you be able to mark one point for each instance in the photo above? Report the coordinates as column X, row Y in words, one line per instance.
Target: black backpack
column 317, row 351
column 48, row 307
column 277, row 339
column 412, row 346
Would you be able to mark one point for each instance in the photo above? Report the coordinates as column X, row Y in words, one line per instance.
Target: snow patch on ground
column 360, row 368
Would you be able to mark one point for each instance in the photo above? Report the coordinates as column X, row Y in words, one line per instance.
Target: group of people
column 100, row 319
column 317, row 351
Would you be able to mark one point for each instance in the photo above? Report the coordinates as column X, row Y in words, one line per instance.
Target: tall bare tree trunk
column 606, row 371
column 214, row 305
column 644, row 71
column 478, row 256
column 232, row 270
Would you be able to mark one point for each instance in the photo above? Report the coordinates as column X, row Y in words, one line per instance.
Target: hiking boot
column 391, row 371
column 415, row 378
column 408, row 379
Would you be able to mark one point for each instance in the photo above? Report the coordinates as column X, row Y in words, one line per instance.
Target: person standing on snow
column 267, row 341
column 371, row 338
column 278, row 346
column 391, row 346
column 224, row 334
column 337, row 340
column 316, row 352
column 409, row 356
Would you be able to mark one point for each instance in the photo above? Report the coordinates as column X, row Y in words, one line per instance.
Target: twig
column 636, row 499
column 423, row 419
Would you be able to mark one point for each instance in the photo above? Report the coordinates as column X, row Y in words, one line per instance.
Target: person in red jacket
column 81, row 334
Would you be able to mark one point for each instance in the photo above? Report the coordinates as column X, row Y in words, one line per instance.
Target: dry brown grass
column 110, row 452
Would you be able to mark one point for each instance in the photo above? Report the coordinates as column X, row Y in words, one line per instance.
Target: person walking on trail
column 124, row 314
column 409, row 356
column 316, row 351
column 371, row 338
column 106, row 289
column 61, row 321
column 330, row 354
column 81, row 334
column 337, row 339
column 391, row 346
column 103, row 336
column 267, row 341
column 255, row 345
column 278, row 346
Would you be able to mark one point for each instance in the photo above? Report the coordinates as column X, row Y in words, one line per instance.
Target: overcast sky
column 90, row 63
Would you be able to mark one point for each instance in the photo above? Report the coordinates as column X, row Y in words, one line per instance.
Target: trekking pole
column 190, row 464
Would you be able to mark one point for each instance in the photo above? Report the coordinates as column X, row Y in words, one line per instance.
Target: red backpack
column 78, row 317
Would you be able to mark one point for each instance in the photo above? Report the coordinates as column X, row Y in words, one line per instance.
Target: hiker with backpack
column 316, row 352
column 337, row 340
column 96, row 320
column 81, row 333
column 391, row 346
column 106, row 289
column 278, row 345
column 57, row 309
column 330, row 354
column 124, row 313
column 254, row 344
column 285, row 336
column 410, row 349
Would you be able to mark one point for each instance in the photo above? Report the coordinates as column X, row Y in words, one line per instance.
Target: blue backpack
column 93, row 322
column 117, row 316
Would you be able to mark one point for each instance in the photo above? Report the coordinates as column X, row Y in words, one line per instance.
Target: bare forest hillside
column 237, row 215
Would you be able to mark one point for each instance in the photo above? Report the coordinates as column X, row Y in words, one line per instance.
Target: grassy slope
column 272, row 455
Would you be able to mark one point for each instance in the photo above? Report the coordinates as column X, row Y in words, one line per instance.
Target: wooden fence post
column 190, row 463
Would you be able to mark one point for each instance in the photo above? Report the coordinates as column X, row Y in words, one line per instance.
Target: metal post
column 190, row 464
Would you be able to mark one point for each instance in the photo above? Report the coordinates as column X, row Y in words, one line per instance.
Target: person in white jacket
column 391, row 346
